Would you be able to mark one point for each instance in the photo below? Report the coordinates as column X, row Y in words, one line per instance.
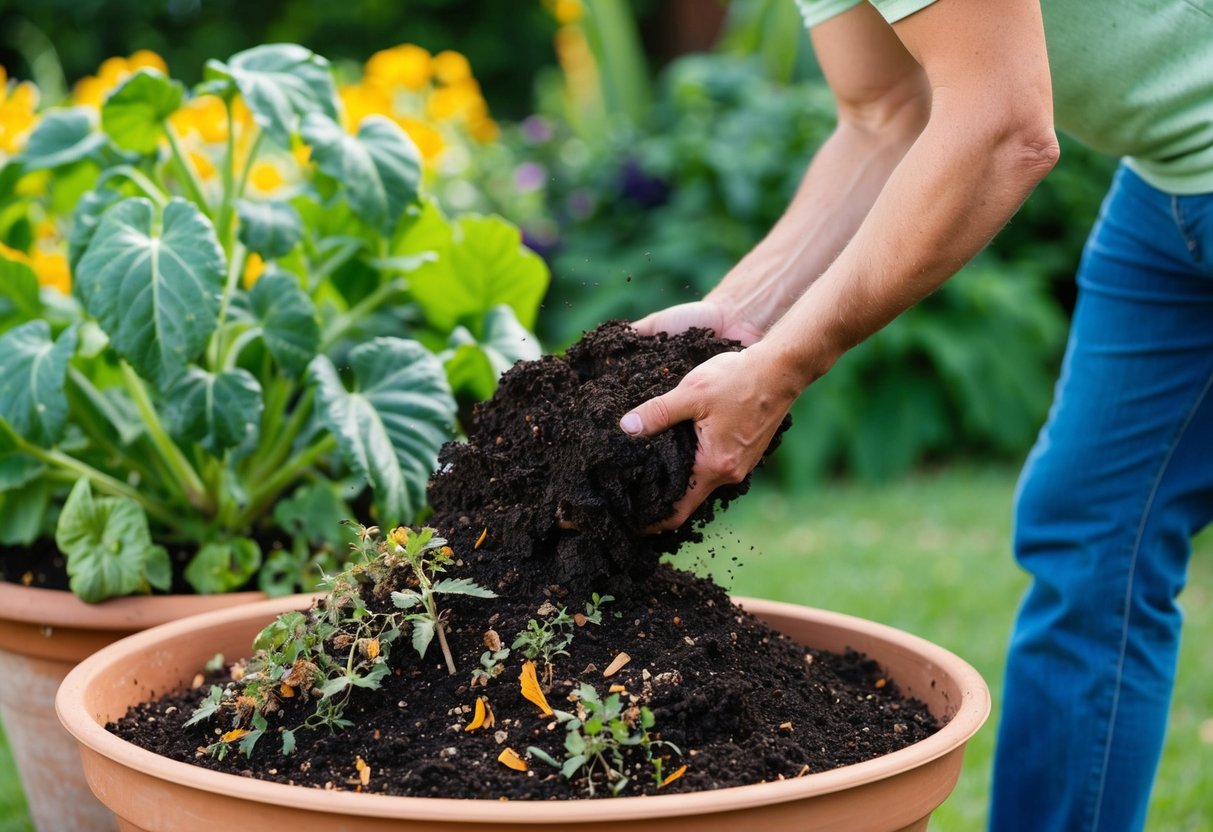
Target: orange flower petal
column 364, row 771
column 674, row 776
column 509, row 758
column 286, row 691
column 235, row 734
column 479, row 716
column 617, row 663
column 480, row 540
column 531, row 689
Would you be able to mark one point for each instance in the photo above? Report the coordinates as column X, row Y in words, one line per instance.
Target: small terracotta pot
column 152, row 793
column 44, row 633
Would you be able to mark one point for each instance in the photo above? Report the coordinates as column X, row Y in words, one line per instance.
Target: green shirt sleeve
column 819, row 11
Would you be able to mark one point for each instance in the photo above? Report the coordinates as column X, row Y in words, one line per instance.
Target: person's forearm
column 958, row 185
column 837, row 191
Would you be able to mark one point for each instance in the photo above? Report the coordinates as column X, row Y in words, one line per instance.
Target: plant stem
column 149, row 188
column 343, row 322
column 282, row 443
column 103, row 481
column 267, row 492
column 248, row 165
column 185, row 169
column 235, row 268
column 446, row 650
column 334, row 262
column 187, row 478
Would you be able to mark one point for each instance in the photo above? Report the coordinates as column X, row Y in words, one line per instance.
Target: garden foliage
column 228, row 318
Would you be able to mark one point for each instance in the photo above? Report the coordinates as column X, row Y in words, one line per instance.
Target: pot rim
column 62, row 609
column 970, row 715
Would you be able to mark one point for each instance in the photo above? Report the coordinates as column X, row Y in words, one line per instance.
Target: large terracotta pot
column 149, row 792
column 44, row 633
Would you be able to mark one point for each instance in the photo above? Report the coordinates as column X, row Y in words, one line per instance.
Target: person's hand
column 737, row 402
column 701, row 313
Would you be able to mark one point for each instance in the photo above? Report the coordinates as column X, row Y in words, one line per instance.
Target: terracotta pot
column 44, row 633
column 149, row 792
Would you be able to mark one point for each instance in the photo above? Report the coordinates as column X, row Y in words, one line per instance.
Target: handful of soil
column 564, row 493
column 544, row 506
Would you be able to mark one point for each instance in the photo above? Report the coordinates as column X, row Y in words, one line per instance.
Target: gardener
column 945, row 124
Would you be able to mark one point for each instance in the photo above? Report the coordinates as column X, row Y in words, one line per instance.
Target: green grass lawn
column 929, row 554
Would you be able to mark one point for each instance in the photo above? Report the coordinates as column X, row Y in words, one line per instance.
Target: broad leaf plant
column 234, row 371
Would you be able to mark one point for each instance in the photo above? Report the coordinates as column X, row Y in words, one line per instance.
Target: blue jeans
column 1119, row 481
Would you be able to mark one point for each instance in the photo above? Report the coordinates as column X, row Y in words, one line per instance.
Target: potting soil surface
column 546, row 503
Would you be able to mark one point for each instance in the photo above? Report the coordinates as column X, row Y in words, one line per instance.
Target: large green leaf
column 485, row 265
column 288, row 320
column 85, row 218
column 62, row 137
column 392, row 425
column 18, row 290
column 108, row 547
column 135, row 111
column 474, row 365
column 223, row 566
column 380, row 168
column 281, row 83
column 32, row 401
column 269, row 228
column 23, row 512
column 315, row 512
column 153, row 284
column 218, row 410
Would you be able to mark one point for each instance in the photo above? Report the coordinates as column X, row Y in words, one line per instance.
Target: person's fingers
column 699, row 489
column 660, row 414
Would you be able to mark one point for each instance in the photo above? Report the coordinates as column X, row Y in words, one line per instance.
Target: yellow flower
column 92, row 90
column 146, row 59
column 459, row 100
column 266, row 177
column 484, row 130
column 451, row 67
column 254, row 267
column 361, row 100
column 302, row 154
column 9, row 253
column 203, row 165
column 18, row 104
column 52, row 270
column 428, row 140
column 46, row 230
column 205, row 116
column 406, row 66
column 568, row 11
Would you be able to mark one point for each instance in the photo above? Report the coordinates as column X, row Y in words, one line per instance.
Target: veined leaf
column 108, row 547
column 220, row 410
column 19, row 287
column 485, row 265
column 423, row 634
column 269, row 228
column 32, row 400
column 62, row 136
column 392, row 425
column 379, row 168
column 17, row 469
column 223, row 566
column 85, row 218
column 22, row 512
column 154, row 286
column 474, row 366
column 405, row 600
column 135, row 111
column 288, row 320
column 281, row 83
column 462, row 586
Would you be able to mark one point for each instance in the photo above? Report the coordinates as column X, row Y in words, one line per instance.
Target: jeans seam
column 1128, row 597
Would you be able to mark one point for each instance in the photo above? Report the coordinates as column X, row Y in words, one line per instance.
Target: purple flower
column 537, row 130
column 639, row 186
column 580, row 204
column 529, row 176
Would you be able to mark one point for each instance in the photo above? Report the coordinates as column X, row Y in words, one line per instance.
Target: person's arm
column 987, row 141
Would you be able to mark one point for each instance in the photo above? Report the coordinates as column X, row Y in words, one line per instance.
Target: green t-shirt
column 1131, row 78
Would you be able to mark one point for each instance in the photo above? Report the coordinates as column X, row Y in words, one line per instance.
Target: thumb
column 657, row 415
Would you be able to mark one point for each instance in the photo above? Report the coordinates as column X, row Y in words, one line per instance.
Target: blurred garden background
column 643, row 147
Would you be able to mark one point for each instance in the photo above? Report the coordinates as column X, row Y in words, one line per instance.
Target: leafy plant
column 267, row 323
column 596, row 737
column 340, row 645
column 428, row 557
